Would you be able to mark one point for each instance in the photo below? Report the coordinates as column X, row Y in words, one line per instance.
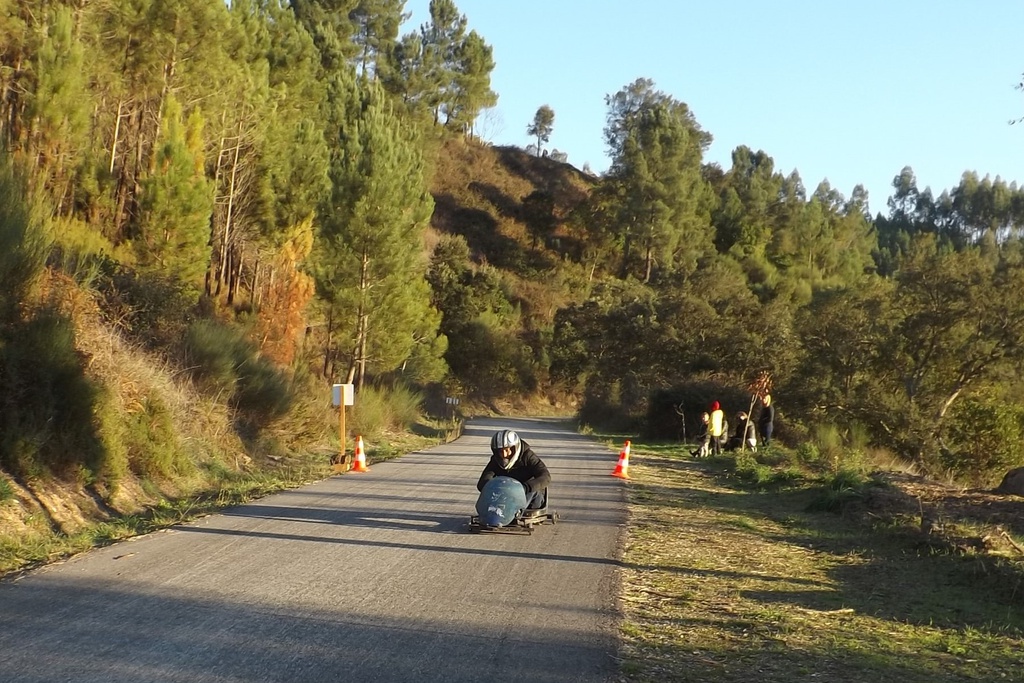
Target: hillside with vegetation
column 214, row 212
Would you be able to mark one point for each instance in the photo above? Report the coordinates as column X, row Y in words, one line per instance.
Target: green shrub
column 6, row 490
column 210, row 351
column 858, row 437
column 152, row 442
column 378, row 410
column 46, row 408
column 829, row 443
column 25, row 239
column 808, row 454
column 152, row 310
column 777, row 456
column 114, row 466
column 985, row 439
column 843, row 488
column 225, row 363
column 406, row 406
column 751, row 471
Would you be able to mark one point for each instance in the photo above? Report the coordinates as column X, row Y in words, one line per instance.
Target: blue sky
column 851, row 92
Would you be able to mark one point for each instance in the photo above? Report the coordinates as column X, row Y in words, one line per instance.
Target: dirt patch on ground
column 966, row 519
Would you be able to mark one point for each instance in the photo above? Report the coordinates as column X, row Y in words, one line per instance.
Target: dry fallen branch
column 1012, row 542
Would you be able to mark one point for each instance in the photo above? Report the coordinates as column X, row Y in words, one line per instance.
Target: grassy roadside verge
column 723, row 583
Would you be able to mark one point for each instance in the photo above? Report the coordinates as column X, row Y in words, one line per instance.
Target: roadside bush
column 152, row 442
column 378, row 410
column 6, row 490
column 224, row 362
column 25, row 240
column 606, row 407
column 985, row 439
column 750, row 470
column 114, row 467
column 841, row 489
column 47, row 403
column 808, row 454
column 151, row 310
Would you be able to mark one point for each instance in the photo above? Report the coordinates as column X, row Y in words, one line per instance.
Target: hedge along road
column 361, row 577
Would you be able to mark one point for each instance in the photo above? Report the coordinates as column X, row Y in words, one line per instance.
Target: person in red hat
column 717, row 427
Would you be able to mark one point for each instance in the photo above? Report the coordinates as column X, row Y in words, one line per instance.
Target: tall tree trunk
column 117, row 136
column 226, row 240
column 212, row 268
column 327, row 343
column 357, row 368
column 168, row 78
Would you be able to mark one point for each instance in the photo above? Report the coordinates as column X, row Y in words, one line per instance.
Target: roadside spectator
column 703, row 437
column 766, row 420
column 744, row 436
column 719, row 427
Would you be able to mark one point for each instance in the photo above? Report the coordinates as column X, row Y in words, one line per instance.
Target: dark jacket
column 744, row 433
column 528, row 469
column 767, row 415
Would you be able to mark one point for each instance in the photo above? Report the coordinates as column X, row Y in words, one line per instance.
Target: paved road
column 362, row 577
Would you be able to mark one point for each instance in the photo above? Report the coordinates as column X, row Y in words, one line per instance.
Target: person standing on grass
column 703, row 437
column 766, row 420
column 717, row 427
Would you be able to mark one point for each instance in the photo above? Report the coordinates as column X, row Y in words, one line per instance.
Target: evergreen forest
column 212, row 212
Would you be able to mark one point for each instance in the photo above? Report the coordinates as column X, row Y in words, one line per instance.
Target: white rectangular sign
column 346, row 391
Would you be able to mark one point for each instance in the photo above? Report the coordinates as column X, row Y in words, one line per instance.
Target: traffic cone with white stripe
column 622, row 468
column 360, row 457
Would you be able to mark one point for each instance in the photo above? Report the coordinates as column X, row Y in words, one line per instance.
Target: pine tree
column 472, row 87
column 662, row 199
column 542, row 125
column 59, row 109
column 376, row 24
column 176, row 203
column 370, row 264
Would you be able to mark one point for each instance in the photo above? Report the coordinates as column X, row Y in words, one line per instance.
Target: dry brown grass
column 726, row 584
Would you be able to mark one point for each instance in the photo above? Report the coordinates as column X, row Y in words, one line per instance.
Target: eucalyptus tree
column 909, row 215
column 981, row 207
column 542, row 125
column 663, row 202
column 843, row 375
column 952, row 325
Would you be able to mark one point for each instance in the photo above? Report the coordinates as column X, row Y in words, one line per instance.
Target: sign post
column 452, row 406
column 342, row 395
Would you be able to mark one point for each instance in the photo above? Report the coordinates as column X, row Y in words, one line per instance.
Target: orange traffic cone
column 360, row 465
column 622, row 468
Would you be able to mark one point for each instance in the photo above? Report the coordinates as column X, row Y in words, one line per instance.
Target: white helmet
column 503, row 439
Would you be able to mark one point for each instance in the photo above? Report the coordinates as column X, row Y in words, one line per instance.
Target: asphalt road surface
column 362, row 577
